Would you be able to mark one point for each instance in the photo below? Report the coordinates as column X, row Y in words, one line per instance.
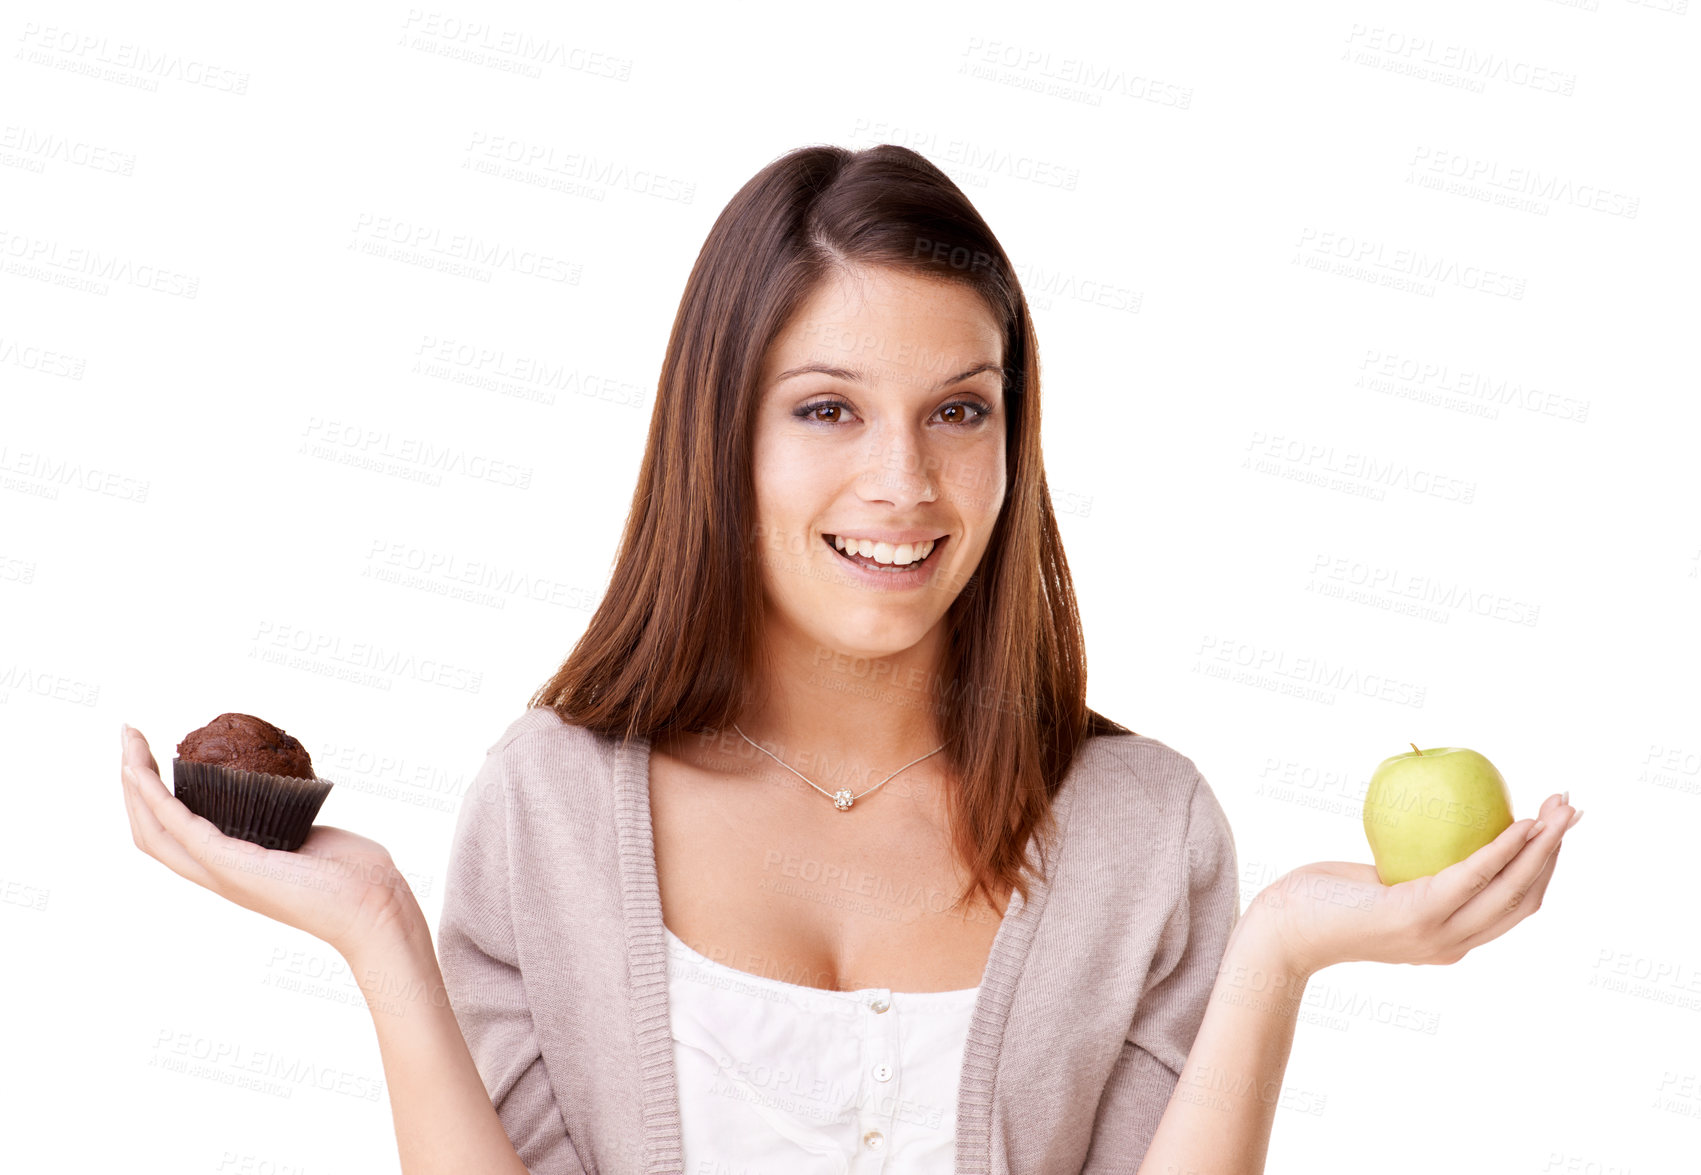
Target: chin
column 880, row 637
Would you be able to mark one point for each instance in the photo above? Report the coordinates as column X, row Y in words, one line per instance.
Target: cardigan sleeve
column 481, row 973
column 1169, row 1013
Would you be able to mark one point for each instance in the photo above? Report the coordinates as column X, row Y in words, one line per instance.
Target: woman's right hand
column 338, row 887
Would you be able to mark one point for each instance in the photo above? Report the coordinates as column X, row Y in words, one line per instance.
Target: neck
column 844, row 719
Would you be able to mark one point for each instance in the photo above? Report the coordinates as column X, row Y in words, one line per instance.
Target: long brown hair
column 674, row 644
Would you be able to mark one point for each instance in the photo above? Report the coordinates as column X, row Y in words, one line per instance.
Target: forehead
column 888, row 323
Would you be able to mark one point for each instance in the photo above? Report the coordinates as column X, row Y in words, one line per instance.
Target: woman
column 752, row 882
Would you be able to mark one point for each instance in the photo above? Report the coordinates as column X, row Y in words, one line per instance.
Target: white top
column 782, row 1078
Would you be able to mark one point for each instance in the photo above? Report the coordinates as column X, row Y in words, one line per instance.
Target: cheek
column 796, row 482
column 789, row 500
column 979, row 492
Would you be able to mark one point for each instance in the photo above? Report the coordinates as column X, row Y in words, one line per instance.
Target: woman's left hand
column 1340, row 912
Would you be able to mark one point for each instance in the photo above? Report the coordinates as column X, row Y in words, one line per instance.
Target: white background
column 1313, row 513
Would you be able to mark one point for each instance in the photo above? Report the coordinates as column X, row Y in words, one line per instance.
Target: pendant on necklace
column 842, row 799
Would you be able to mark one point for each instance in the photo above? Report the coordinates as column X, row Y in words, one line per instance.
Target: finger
column 166, row 828
column 144, row 825
column 1532, row 902
column 143, row 822
column 150, row 836
column 134, row 809
column 142, row 818
column 1463, row 880
column 1510, row 888
column 136, row 749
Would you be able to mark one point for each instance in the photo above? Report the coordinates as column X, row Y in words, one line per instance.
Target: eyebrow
column 856, row 377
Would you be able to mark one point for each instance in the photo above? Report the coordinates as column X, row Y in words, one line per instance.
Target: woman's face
column 900, row 441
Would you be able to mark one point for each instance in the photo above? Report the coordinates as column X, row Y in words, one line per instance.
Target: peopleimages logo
column 37, row 148
column 1435, row 163
column 465, row 247
column 483, row 44
column 1426, row 58
column 45, row 474
column 364, row 662
column 385, row 451
column 86, row 269
column 234, row 1063
column 1089, row 76
column 88, row 52
column 1355, row 253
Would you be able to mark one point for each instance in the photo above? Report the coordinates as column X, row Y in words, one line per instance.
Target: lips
column 890, row 568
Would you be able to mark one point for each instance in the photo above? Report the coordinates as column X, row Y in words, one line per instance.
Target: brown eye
column 808, row 411
column 981, row 412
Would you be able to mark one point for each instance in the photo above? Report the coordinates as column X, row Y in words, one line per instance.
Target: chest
column 754, row 877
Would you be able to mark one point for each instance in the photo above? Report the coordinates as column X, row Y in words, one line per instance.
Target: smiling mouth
column 874, row 564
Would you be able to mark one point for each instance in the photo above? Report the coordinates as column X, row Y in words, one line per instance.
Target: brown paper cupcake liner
column 273, row 811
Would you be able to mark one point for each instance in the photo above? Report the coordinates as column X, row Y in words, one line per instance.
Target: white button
column 874, row 1140
column 879, row 1003
column 882, row 1072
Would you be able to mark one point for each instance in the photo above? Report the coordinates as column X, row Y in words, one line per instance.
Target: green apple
column 1429, row 809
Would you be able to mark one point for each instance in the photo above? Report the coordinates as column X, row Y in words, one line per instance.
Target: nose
column 898, row 469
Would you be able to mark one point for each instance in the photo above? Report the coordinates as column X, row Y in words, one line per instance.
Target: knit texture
column 554, row 954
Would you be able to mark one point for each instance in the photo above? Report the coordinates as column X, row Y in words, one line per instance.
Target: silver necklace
column 842, row 799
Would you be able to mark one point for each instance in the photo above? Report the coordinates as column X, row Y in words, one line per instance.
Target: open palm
column 1339, row 911
column 338, row 886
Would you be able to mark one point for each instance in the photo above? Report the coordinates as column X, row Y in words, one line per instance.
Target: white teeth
column 898, row 556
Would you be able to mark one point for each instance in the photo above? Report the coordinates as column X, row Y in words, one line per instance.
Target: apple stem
column 1413, row 746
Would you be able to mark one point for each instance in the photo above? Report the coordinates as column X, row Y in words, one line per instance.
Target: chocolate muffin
column 251, row 779
column 247, row 743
